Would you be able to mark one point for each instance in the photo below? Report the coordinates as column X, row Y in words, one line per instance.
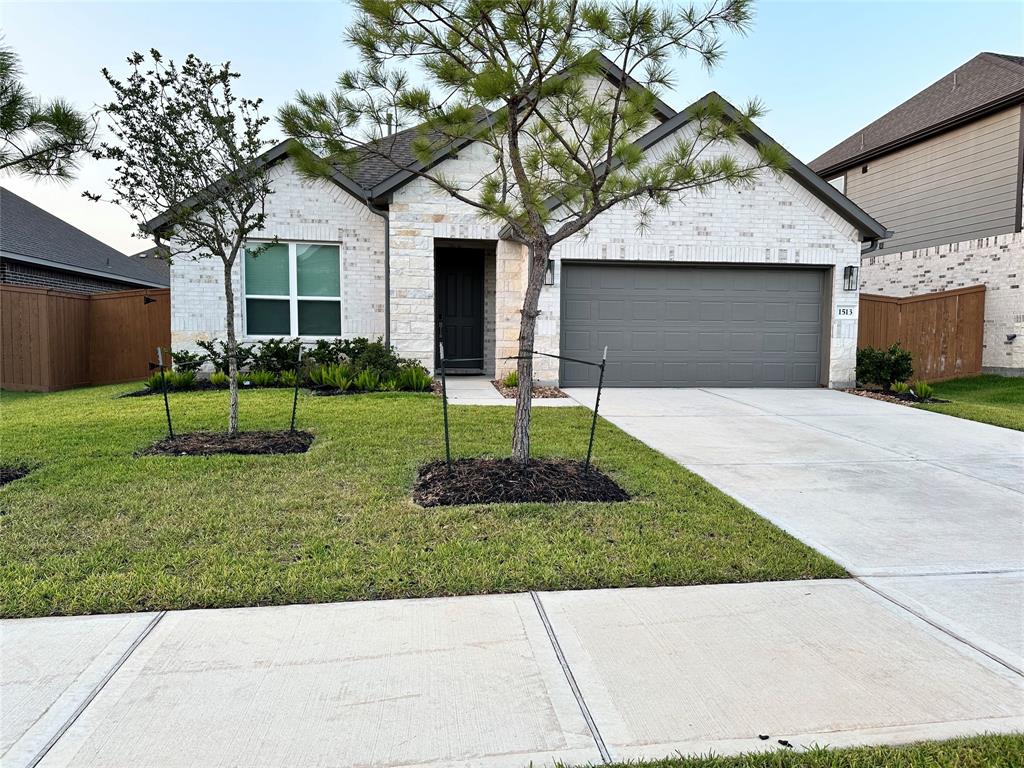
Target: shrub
column 390, row 384
column 288, row 378
column 326, row 352
column 339, row 376
column 261, row 378
column 923, row 390
column 220, row 379
column 368, row 380
column 187, row 361
column 276, row 355
column 414, row 378
column 884, row 366
column 511, row 379
column 177, row 381
column 901, row 387
column 217, row 353
column 353, row 349
column 376, row 356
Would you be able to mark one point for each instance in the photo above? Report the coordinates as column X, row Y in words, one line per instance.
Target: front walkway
column 927, row 509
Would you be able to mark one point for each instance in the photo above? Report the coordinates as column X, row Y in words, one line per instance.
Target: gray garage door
column 671, row 326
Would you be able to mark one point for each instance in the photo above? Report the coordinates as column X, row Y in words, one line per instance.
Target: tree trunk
column 232, row 350
column 539, row 253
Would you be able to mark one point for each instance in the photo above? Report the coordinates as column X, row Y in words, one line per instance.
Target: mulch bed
column 510, row 392
column 210, row 443
column 893, row 397
column 501, row 481
column 10, row 473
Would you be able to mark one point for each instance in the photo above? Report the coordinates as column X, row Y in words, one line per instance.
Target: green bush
column 511, row 379
column 261, row 378
column 368, row 380
column 339, row 376
column 220, row 379
column 326, row 352
column 276, row 355
column 217, row 354
column 187, row 361
column 884, row 366
column 923, row 390
column 901, row 388
column 288, row 378
column 414, row 378
column 390, row 384
column 177, row 381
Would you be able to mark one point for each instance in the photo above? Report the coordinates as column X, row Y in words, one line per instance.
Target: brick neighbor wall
column 20, row 273
column 997, row 262
column 303, row 211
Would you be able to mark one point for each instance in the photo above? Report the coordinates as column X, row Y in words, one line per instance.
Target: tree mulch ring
column 502, row 481
column 11, row 472
column 900, row 398
column 510, row 393
column 248, row 443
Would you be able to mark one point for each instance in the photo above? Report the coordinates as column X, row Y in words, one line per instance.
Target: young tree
column 518, row 77
column 38, row 138
column 188, row 169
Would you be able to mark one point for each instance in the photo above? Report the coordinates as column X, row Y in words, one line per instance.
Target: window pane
column 267, row 317
column 267, row 274
column 319, row 270
column 319, row 318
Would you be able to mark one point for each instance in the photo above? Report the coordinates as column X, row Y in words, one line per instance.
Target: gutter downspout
column 383, row 213
column 876, row 243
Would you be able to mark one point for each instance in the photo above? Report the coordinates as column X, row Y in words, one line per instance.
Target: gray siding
column 957, row 186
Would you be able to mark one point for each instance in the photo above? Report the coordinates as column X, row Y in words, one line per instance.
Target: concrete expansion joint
column 946, row 631
column 571, row 679
column 96, row 690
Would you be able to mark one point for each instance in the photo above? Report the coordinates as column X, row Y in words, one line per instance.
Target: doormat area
column 11, row 472
column 501, row 481
column 247, row 443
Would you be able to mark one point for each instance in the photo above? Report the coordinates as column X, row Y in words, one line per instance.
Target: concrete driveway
column 926, row 509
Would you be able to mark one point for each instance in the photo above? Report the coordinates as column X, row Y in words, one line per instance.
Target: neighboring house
column 945, row 171
column 41, row 251
column 732, row 288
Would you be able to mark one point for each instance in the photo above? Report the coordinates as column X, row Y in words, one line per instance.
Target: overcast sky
column 824, row 69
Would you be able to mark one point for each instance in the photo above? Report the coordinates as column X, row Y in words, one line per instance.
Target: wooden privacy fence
column 53, row 340
column 943, row 331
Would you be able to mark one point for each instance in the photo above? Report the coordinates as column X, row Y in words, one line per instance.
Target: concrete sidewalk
column 498, row 680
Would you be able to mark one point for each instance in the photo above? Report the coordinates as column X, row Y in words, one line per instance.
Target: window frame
column 292, row 297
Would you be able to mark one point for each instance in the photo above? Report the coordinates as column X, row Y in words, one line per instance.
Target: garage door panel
column 692, row 326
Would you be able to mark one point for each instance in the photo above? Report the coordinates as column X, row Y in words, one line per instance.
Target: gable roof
column 381, row 176
column 868, row 227
column 30, row 234
column 986, row 83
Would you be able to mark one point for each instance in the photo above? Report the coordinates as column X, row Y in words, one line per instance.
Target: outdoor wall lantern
column 850, row 278
column 549, row 273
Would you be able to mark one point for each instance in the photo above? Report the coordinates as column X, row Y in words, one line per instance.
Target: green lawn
column 995, row 400
column 94, row 529
column 993, row 751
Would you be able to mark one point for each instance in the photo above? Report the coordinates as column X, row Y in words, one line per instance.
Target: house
column 732, row 288
column 945, row 170
column 39, row 250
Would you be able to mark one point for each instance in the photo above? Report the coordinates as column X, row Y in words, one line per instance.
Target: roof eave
column 925, row 133
column 62, row 267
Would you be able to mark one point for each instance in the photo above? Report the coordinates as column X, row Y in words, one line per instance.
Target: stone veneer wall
column 298, row 210
column 996, row 262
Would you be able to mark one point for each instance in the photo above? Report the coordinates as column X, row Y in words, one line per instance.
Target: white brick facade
column 298, row 210
column 776, row 222
column 996, row 262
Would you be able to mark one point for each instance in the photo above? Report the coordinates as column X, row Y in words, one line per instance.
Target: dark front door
column 459, row 300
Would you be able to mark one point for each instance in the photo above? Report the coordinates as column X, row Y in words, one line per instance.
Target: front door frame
column 476, row 252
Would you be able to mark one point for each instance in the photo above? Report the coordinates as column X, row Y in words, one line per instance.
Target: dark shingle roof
column 30, row 232
column 986, row 82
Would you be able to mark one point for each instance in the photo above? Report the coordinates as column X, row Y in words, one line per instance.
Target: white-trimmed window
column 293, row 289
